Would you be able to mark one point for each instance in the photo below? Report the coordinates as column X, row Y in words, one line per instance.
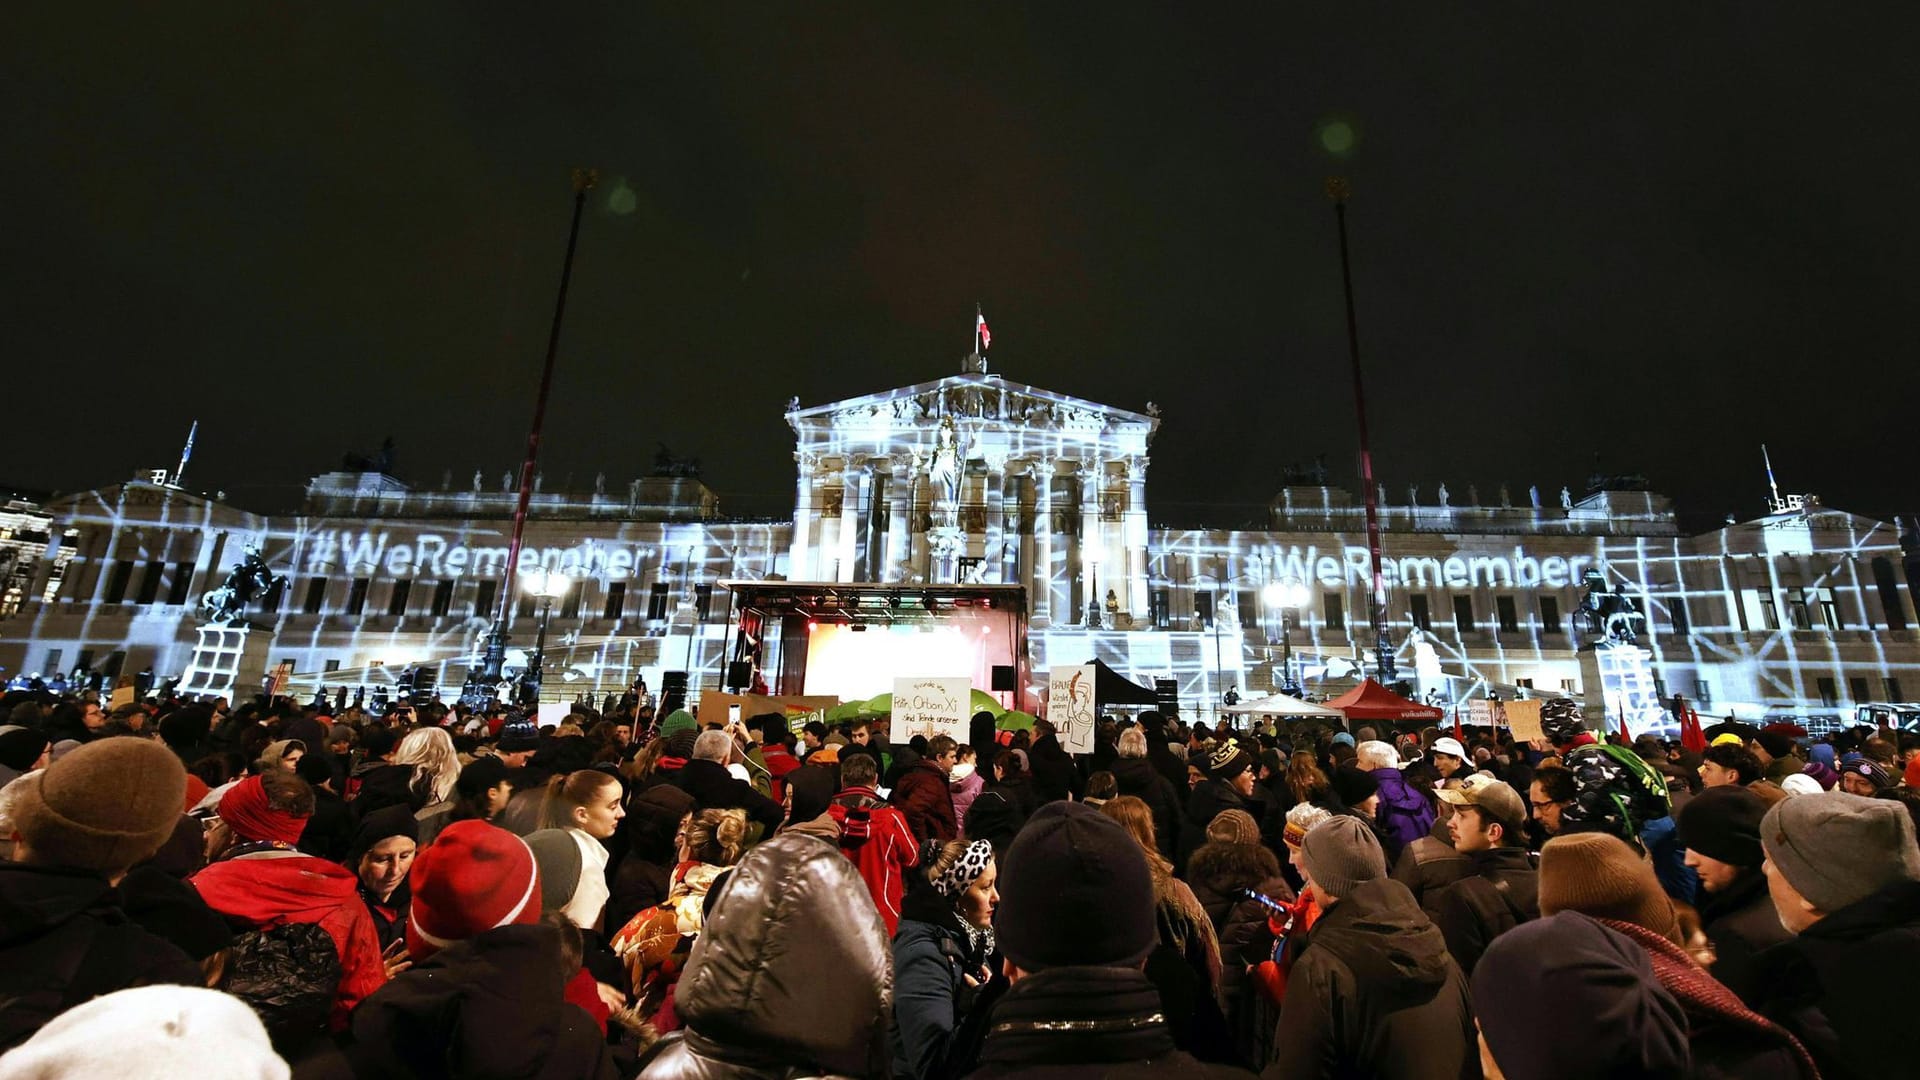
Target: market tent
column 1014, row 720
column 1112, row 688
column 1371, row 701
column 1279, row 705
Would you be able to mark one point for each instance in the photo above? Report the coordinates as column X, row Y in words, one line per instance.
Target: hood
column 793, row 967
column 1212, row 796
column 489, row 1006
column 1896, row 905
column 271, row 892
column 1395, row 791
column 1224, row 867
column 1393, row 950
column 34, row 899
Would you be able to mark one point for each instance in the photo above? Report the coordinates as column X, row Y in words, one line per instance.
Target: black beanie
column 1724, row 823
column 1353, row 786
column 1777, row 744
column 1075, row 892
column 20, row 747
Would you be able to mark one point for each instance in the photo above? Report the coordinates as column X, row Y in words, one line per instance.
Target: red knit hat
column 472, row 878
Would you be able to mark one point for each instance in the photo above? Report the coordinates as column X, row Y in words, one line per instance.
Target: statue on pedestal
column 227, row 605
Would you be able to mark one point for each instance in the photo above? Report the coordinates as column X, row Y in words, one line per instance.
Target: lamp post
column 548, row 585
column 1288, row 596
column 1093, row 555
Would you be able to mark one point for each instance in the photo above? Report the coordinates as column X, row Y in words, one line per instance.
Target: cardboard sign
column 1523, row 718
column 122, row 693
column 930, row 706
column 1070, row 707
column 550, row 713
column 1480, row 712
column 276, row 682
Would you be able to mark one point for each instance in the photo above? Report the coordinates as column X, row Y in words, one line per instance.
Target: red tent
column 1371, row 701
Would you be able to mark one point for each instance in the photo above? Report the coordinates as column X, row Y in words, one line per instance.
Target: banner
column 715, row 707
column 1523, row 718
column 930, row 706
column 1070, row 707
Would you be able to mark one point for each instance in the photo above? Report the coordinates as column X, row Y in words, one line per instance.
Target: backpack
column 856, row 825
column 288, row 975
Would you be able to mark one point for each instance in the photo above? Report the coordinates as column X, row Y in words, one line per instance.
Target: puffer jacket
column 791, row 977
column 1374, row 993
column 1404, row 813
column 932, row 955
column 1096, row 1023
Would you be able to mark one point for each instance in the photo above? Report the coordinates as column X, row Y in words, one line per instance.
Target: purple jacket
column 1404, row 813
column 964, row 792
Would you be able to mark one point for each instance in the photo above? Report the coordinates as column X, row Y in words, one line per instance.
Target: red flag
column 1692, row 735
column 980, row 326
column 1624, row 733
column 1457, row 734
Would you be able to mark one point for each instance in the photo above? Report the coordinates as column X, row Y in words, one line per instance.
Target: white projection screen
column 849, row 663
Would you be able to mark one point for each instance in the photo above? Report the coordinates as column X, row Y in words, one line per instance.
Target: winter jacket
column 779, row 762
column 64, row 940
column 792, row 976
column 330, row 829
column 1216, row 872
column 885, row 856
column 490, row 1006
column 923, row 796
column 932, row 955
column 1137, row 777
column 1741, row 922
column 995, row 818
column 1427, row 864
column 1207, row 801
column 965, row 790
column 713, row 788
column 1501, row 891
column 1374, row 993
column 380, row 784
column 1100, row 1023
column 1055, row 777
column 1661, row 838
column 1835, row 984
column 272, row 888
column 1404, row 813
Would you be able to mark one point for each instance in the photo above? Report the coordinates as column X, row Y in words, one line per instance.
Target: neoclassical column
column 806, row 507
column 1135, row 528
column 1039, row 568
column 899, row 517
column 853, row 488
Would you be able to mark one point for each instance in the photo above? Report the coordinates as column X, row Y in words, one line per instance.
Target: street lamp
column 1093, row 555
column 1288, row 596
column 548, row 585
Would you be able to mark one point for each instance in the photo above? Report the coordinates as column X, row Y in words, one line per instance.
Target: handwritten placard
column 1480, row 712
column 1523, row 717
column 927, row 705
column 1070, row 707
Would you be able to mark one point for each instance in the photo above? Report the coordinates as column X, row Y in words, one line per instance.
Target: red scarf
column 244, row 808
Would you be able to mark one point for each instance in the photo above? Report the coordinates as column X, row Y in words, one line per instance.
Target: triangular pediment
column 978, row 396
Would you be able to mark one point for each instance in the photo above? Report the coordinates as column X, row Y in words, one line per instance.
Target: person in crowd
column 654, row 944
column 875, row 836
column 1599, row 875
column 1844, row 875
column 1134, row 774
column 1080, row 1003
column 1864, row 777
column 944, row 963
column 1373, row 991
column 996, row 814
column 1614, row 791
column 1775, row 752
column 381, row 853
column 1054, row 774
column 376, row 781
column 1185, row 965
column 645, row 875
column 586, row 804
column 1730, row 763
column 151, row 1031
column 705, row 777
column 486, row 995
column 331, row 827
column 965, row 782
column 1101, row 789
column 773, row 746
column 1551, row 792
column 1404, row 814
column 520, row 739
column 283, row 754
column 79, row 826
column 924, row 794
column 1223, row 871
column 480, row 793
column 1537, row 976
column 22, row 750
column 1449, row 759
column 259, row 880
column 1721, row 830
column 792, row 923
column 1499, row 889
column 1230, row 786
column 188, row 732
column 1306, row 781
column 429, row 752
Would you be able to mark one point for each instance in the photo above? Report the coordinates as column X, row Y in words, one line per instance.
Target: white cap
column 1450, row 745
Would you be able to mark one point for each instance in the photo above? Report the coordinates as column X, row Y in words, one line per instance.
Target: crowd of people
column 271, row 891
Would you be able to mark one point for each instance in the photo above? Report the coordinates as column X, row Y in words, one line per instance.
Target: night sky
column 1665, row 236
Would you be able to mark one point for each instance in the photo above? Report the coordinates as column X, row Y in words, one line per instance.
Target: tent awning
column 1371, row 701
column 1112, row 688
column 1280, row 705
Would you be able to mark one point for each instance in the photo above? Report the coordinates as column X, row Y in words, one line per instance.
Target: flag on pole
column 980, row 330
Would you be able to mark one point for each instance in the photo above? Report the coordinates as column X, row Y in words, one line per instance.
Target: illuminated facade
column 977, row 479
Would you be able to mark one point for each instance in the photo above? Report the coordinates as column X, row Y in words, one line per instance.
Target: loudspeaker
column 1168, row 691
column 739, row 674
column 673, row 692
column 1003, row 676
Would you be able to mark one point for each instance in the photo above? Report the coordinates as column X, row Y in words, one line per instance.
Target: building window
column 1762, row 613
column 275, row 595
column 182, row 590
column 483, row 597
column 357, row 596
column 1333, row 608
column 1829, row 692
column 1893, row 689
column 316, row 595
column 1463, row 615
column 702, row 601
column 657, row 602
column 1421, row 613
column 330, row 665
column 1677, row 614
column 1894, row 608
column 1524, row 684
column 402, row 592
column 150, row 585
column 117, row 582
column 570, row 605
column 1857, row 687
column 442, row 598
column 1509, row 616
column 1160, row 607
column 1797, row 611
column 616, row 600
column 1203, row 609
column 1827, row 612
column 1550, row 614
column 53, row 663
column 524, row 607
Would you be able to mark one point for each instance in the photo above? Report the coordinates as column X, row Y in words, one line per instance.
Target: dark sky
column 1667, row 236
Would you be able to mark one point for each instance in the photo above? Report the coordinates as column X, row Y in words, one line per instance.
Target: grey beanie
column 1837, row 849
column 558, row 857
column 1340, row 853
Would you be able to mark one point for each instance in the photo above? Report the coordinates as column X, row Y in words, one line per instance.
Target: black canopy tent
column 1110, row 688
